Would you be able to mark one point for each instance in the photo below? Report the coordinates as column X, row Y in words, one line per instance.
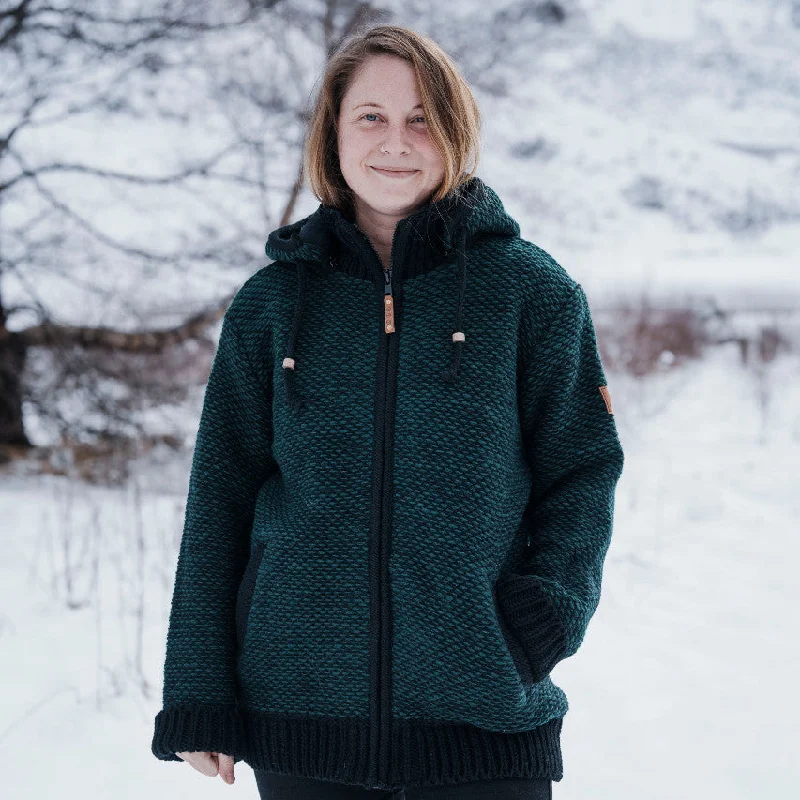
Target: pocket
column 513, row 645
column 244, row 596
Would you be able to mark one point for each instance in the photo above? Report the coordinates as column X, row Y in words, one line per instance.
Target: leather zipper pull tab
column 388, row 303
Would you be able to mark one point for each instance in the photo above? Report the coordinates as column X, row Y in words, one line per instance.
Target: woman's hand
column 211, row 764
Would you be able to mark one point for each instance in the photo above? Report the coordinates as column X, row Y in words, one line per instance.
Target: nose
column 396, row 140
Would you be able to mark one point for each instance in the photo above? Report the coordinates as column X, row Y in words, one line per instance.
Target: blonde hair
column 452, row 114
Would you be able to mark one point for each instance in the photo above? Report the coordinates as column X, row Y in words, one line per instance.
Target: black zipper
column 379, row 759
column 385, row 671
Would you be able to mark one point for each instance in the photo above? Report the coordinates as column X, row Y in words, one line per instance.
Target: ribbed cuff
column 534, row 621
column 197, row 728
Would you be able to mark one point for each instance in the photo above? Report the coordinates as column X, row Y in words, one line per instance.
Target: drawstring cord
column 295, row 401
column 449, row 374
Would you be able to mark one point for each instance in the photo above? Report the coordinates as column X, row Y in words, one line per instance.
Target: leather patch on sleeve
column 607, row 398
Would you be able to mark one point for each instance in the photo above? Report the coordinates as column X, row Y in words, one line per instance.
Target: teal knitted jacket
column 400, row 502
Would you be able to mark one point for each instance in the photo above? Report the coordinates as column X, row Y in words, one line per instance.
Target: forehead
column 383, row 80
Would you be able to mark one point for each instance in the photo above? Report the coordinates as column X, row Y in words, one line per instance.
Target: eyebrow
column 378, row 105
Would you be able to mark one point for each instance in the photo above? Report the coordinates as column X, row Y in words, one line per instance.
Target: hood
column 330, row 239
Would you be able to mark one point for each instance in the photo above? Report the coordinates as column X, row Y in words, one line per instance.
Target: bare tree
column 65, row 240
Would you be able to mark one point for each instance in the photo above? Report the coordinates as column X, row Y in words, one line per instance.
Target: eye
column 374, row 114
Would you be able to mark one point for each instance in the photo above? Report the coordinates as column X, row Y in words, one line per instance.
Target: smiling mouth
column 398, row 173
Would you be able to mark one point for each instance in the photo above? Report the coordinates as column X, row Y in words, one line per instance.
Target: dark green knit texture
column 502, row 498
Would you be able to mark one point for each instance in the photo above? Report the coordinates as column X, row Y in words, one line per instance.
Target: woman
column 403, row 483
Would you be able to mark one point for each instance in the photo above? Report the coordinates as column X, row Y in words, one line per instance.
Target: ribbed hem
column 421, row 753
column 533, row 618
column 197, row 728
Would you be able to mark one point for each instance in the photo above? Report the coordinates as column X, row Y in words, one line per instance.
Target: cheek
column 348, row 158
column 432, row 157
column 353, row 148
column 425, row 145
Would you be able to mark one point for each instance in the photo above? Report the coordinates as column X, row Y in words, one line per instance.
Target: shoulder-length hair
column 449, row 106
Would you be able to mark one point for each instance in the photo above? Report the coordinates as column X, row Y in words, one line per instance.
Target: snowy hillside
column 661, row 154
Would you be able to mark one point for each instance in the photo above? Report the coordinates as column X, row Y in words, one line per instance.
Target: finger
column 226, row 767
column 208, row 764
column 202, row 761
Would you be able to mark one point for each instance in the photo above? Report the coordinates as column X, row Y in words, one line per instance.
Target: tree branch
column 135, row 341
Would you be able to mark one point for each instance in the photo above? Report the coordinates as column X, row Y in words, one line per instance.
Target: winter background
column 652, row 149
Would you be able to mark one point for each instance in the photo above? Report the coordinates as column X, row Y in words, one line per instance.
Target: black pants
column 273, row 786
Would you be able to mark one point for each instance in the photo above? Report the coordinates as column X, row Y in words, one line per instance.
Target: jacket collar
column 422, row 241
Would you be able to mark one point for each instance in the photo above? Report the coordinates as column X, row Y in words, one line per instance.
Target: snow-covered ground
column 682, row 687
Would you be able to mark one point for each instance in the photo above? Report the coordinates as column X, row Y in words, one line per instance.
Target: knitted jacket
column 400, row 501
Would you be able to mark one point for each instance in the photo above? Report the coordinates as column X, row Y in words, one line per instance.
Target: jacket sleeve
column 575, row 456
column 232, row 458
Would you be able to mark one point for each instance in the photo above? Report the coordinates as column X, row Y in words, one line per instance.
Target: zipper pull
column 388, row 303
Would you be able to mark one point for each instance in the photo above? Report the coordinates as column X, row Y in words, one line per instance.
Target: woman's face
column 381, row 126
